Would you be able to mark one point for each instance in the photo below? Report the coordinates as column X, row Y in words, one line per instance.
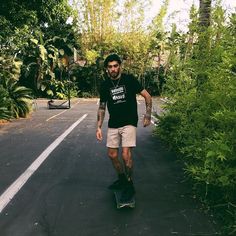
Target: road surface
column 54, row 176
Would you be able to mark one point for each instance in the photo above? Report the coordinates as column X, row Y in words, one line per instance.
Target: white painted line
column 154, row 120
column 56, row 115
column 75, row 104
column 13, row 189
column 61, row 112
column 153, row 117
column 138, row 102
column 153, row 123
column 98, row 101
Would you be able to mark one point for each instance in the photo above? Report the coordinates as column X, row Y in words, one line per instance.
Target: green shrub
column 18, row 98
column 203, row 129
column 4, row 103
column 199, row 123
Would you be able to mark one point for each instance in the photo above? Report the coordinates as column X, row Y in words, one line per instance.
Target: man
column 118, row 93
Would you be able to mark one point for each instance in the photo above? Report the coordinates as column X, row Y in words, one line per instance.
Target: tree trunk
column 204, row 44
column 205, row 13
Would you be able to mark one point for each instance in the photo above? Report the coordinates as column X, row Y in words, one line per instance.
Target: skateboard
column 130, row 204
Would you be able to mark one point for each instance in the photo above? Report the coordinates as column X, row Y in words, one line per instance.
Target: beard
column 114, row 75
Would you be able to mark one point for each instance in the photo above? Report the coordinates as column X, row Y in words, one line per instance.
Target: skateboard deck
column 120, row 204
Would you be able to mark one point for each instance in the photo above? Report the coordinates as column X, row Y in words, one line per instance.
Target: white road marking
column 56, row 115
column 61, row 112
column 138, row 102
column 153, row 123
column 154, row 120
column 98, row 101
column 13, row 189
column 75, row 104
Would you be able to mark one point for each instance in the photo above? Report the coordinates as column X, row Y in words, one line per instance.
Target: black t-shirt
column 120, row 96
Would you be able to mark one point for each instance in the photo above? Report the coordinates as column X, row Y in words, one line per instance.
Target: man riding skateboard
column 118, row 94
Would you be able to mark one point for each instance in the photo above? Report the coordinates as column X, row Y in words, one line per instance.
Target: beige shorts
column 126, row 136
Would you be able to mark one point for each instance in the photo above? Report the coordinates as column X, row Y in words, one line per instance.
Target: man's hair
column 112, row 57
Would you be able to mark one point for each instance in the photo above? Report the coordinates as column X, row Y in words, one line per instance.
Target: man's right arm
column 100, row 118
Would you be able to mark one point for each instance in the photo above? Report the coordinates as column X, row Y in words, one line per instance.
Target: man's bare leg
column 113, row 154
column 128, row 162
column 129, row 189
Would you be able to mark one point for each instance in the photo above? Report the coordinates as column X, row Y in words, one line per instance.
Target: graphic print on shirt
column 118, row 94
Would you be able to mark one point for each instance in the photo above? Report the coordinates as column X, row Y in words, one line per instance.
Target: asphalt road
column 67, row 194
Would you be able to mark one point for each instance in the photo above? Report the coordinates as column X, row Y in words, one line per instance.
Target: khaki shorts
column 126, row 136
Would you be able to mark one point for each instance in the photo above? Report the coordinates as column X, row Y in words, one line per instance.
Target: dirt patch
column 3, row 122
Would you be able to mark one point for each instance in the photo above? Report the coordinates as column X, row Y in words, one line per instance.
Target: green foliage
column 199, row 118
column 85, row 95
column 10, row 67
column 14, row 99
column 59, row 89
column 18, row 98
column 104, row 29
column 38, row 34
column 91, row 56
column 4, row 103
column 154, row 80
column 87, row 79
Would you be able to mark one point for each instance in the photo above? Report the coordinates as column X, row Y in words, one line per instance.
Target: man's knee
column 113, row 153
column 126, row 154
column 127, row 157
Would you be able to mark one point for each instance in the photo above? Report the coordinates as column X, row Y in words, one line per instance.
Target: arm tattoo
column 148, row 107
column 101, row 114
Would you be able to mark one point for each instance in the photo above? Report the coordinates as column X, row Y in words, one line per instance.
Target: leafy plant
column 199, row 119
column 4, row 103
column 18, row 98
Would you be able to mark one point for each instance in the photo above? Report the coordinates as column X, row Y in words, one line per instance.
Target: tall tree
column 205, row 13
column 203, row 52
column 191, row 35
column 96, row 22
column 35, row 31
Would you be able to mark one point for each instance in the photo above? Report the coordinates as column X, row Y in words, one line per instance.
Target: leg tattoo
column 128, row 163
column 117, row 165
column 113, row 154
column 129, row 172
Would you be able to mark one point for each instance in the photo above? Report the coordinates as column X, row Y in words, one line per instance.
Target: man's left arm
column 148, row 102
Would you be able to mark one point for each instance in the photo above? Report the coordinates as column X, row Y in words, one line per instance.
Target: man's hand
column 99, row 134
column 146, row 120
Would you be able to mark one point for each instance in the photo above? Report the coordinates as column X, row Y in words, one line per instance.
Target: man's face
column 113, row 69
